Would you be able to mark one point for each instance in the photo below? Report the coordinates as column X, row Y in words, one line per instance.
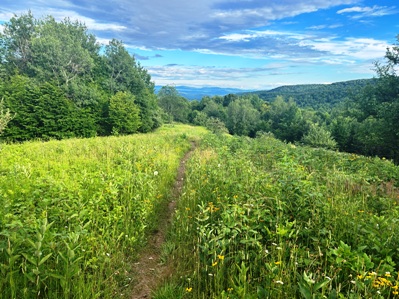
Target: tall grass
column 263, row 219
column 73, row 213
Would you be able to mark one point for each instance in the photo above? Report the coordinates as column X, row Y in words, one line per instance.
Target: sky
column 247, row 44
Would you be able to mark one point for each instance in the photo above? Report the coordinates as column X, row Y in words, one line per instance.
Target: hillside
column 316, row 96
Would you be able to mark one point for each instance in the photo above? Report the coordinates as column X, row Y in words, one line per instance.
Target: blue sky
column 249, row 44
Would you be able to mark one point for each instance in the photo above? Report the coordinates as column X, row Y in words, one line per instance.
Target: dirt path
column 148, row 269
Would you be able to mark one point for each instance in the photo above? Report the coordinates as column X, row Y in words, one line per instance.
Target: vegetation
column 260, row 218
column 73, row 213
column 59, row 83
column 362, row 118
column 272, row 212
column 317, row 96
column 5, row 117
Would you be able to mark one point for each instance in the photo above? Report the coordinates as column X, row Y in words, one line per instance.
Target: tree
column 284, row 119
column 242, row 118
column 5, row 116
column 318, row 136
column 174, row 105
column 16, row 43
column 62, row 51
column 43, row 111
column 379, row 106
column 123, row 114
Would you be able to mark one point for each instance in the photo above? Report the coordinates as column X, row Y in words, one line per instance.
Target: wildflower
column 189, row 290
column 395, row 287
column 229, row 289
column 221, row 257
column 155, row 173
column 387, row 274
column 277, row 263
column 359, row 276
column 214, row 264
column 395, row 292
column 352, row 281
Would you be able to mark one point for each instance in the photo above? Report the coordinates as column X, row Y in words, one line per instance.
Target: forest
column 58, row 82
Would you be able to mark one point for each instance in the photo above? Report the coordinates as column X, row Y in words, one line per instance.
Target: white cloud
column 354, row 48
column 366, row 11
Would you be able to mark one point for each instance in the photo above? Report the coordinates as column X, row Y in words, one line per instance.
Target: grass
column 257, row 218
column 263, row 219
column 74, row 212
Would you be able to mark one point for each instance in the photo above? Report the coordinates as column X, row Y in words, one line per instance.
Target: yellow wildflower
column 189, row 290
column 214, row 264
column 221, row 257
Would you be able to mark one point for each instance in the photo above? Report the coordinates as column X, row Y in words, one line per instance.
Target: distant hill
column 316, row 95
column 197, row 93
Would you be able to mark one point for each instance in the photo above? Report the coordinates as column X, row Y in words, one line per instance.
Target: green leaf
column 320, row 284
column 45, row 258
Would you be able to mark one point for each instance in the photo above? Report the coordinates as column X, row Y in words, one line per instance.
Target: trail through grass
column 74, row 213
column 262, row 219
column 150, row 269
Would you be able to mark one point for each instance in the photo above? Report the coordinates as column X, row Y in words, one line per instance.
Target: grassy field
column 263, row 219
column 73, row 212
column 257, row 218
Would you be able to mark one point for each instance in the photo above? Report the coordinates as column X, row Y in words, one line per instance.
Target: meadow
column 260, row 218
column 257, row 218
column 73, row 213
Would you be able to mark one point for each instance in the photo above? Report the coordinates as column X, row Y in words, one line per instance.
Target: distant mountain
column 197, row 93
column 316, row 95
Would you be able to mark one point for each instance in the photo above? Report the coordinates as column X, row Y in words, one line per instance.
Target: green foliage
column 175, row 106
column 5, row 116
column 317, row 96
column 284, row 119
column 43, row 111
column 319, row 137
column 73, row 213
column 216, row 126
column 259, row 218
column 61, row 65
column 123, row 114
column 242, row 118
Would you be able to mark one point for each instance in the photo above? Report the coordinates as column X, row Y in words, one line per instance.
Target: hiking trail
column 149, row 269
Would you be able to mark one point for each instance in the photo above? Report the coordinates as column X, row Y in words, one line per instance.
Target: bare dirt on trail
column 148, row 269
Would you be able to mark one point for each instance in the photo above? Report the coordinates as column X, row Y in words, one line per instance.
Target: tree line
column 364, row 122
column 57, row 81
